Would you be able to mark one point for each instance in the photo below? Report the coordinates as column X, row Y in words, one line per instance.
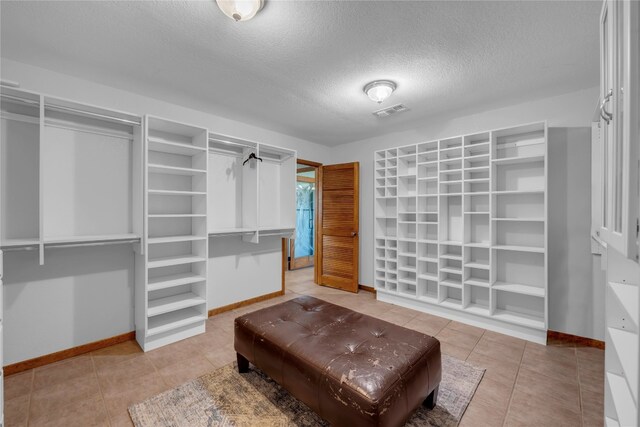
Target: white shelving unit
column 73, row 173
column 461, row 228
column 258, row 195
column 171, row 289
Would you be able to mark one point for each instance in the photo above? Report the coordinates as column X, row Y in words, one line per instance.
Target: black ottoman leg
column 243, row 363
column 431, row 400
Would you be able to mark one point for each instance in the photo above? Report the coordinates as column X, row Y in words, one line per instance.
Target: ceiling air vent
column 389, row 111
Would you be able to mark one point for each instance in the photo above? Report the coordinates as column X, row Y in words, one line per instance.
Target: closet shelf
column 428, row 259
column 177, row 216
column 453, row 270
column 506, row 192
column 90, row 239
column 170, row 281
column 174, row 239
column 625, row 345
column 177, row 193
column 477, row 265
column 427, row 276
column 451, row 283
column 627, row 295
column 169, row 261
column 173, row 170
column 518, row 288
column 622, row 399
column 477, row 245
column 519, row 319
column 475, row 281
column 519, row 159
column 164, row 146
column 174, row 320
column 174, row 303
column 17, row 243
column 451, row 242
column 519, row 219
column 517, row 248
column 451, row 256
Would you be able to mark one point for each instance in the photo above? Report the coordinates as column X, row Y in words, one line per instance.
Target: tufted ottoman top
column 326, row 354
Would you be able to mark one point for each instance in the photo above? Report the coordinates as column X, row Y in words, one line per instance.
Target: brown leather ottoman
column 352, row 369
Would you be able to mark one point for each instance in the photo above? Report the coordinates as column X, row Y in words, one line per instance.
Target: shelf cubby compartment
column 474, row 186
column 392, row 163
column 428, row 251
column 476, row 203
column 427, row 187
column 526, row 205
column 476, row 229
column 407, row 185
column 428, row 289
column 521, row 309
column 391, row 192
column 430, row 218
column 380, row 263
column 428, row 270
column 449, row 265
column 450, row 153
column 428, row 204
column 392, row 265
column 380, row 283
column 380, row 155
column 450, row 165
column 392, row 152
column 477, row 258
column 392, row 286
column 391, row 254
column 450, row 294
column 474, row 175
column 381, row 173
column 477, row 139
column 380, row 182
column 407, row 288
column 381, row 192
column 174, row 276
column 407, row 150
column 524, row 234
column 476, row 277
column 392, row 171
column 407, row 231
column 426, row 171
column 476, row 162
column 407, row 247
column 478, row 149
column 391, row 182
column 407, row 276
column 520, row 141
column 427, row 157
column 407, row 204
column 19, row 167
column 175, row 320
column 380, row 253
column 520, row 177
column 450, row 143
column 380, row 272
column 407, row 165
column 427, row 147
column 476, row 299
column 451, row 176
column 520, row 272
column 451, row 187
column 177, row 298
column 386, row 227
column 427, row 231
column 386, row 208
column 451, row 221
column 407, row 217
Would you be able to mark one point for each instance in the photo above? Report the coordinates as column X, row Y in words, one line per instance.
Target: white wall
column 571, row 286
column 86, row 294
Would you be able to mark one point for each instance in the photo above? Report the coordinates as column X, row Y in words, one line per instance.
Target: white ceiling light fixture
column 240, row 10
column 379, row 90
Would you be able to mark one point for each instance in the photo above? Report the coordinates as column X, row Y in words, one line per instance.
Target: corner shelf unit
column 622, row 354
column 171, row 290
column 258, row 195
column 461, row 228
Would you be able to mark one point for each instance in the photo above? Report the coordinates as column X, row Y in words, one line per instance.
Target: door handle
column 354, row 233
column 606, row 116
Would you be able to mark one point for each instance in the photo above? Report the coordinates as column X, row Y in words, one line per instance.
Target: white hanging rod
column 79, row 245
column 92, row 114
column 239, row 144
column 20, row 99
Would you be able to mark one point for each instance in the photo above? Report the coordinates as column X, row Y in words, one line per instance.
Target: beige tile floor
column 525, row 383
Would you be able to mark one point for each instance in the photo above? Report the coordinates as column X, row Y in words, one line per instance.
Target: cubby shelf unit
column 258, row 195
column 171, row 269
column 461, row 228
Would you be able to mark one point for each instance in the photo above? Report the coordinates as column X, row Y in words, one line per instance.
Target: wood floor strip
column 582, row 341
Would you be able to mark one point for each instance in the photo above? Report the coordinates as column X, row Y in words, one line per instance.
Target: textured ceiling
column 299, row 66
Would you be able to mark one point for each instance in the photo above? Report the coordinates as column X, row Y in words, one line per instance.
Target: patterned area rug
column 227, row 398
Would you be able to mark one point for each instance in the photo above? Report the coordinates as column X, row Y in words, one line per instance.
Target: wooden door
column 338, row 213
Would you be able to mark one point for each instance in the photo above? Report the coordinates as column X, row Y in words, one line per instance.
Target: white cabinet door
column 619, row 124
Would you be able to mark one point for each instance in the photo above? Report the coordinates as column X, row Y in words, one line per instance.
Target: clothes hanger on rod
column 251, row 156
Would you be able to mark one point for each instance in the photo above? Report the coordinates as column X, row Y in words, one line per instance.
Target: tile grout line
column 515, row 381
column 95, row 373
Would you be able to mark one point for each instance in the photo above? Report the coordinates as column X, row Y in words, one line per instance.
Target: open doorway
column 302, row 248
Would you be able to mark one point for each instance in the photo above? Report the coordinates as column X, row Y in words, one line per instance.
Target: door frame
column 285, row 248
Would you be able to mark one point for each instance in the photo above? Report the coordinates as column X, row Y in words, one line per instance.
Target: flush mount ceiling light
column 379, row 90
column 240, row 10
